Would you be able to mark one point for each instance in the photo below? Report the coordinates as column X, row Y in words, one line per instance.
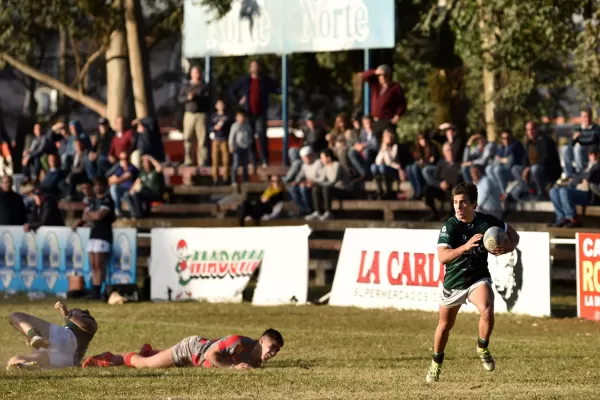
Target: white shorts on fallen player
column 457, row 297
column 63, row 346
column 98, row 246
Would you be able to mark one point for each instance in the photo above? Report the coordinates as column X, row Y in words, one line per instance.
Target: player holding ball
column 461, row 249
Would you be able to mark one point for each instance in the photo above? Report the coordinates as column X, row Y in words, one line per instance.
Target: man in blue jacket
column 252, row 93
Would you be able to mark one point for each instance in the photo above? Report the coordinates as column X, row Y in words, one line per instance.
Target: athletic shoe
column 434, row 372
column 486, row 359
column 29, row 365
column 313, row 216
column 103, row 360
column 38, row 342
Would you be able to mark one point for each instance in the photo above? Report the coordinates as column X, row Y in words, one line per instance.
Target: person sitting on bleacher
column 340, row 126
column 364, row 150
column 300, row 191
column 510, row 154
column 478, row 152
column 268, row 207
column 77, row 174
column 122, row 181
column 488, row 198
column 122, row 141
column 75, row 132
column 53, row 178
column 447, row 175
column 32, row 157
column 581, row 191
column 98, row 154
column 585, row 136
column 149, row 187
column 425, row 155
column 386, row 167
column 332, row 181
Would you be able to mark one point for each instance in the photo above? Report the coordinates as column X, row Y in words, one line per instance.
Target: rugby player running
column 233, row 351
column 467, row 277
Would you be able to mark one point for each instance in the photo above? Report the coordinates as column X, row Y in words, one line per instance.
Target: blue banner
column 43, row 261
column 288, row 26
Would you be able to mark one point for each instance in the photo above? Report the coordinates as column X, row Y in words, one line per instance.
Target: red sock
column 127, row 358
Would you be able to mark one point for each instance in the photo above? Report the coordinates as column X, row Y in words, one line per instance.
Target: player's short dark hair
column 274, row 335
column 466, row 188
column 101, row 181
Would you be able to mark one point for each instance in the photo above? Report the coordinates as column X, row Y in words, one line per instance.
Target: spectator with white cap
column 388, row 102
column 306, row 178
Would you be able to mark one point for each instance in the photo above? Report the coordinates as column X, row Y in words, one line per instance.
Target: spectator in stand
column 45, row 212
column 578, row 192
column 302, row 185
column 541, row 164
column 510, row 154
column 447, row 175
column 52, row 182
column 385, row 169
column 295, row 165
column 314, row 134
column 340, row 126
column 12, row 208
column 586, row 135
column 194, row 95
column 149, row 187
column 363, row 152
column 332, row 180
column 388, row 102
column 77, row 174
column 100, row 216
column 122, row 181
column 240, row 143
column 98, row 156
column 268, row 207
column 341, row 152
column 357, row 124
column 122, row 142
column 147, row 140
column 220, row 126
column 488, row 198
column 32, row 157
column 477, row 152
column 255, row 89
column 75, row 132
column 425, row 155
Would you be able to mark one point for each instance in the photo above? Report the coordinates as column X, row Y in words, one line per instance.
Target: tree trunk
column 117, row 77
column 138, row 60
column 62, row 53
column 489, row 79
column 91, row 103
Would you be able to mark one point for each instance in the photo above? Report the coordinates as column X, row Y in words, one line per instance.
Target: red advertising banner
column 588, row 276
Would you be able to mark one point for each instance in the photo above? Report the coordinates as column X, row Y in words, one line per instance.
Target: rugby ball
column 494, row 237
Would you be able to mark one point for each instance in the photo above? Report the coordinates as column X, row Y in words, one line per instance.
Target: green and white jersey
column 472, row 265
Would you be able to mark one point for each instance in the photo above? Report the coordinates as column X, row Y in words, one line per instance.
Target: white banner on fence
column 215, row 264
column 399, row 268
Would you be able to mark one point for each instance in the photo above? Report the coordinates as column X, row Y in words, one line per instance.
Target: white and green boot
column 434, row 372
column 486, row 359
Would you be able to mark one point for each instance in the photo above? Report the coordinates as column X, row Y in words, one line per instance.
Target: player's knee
column 445, row 326
column 15, row 360
column 16, row 317
column 487, row 313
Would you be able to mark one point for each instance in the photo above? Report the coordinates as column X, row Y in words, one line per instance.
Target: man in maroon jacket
column 388, row 102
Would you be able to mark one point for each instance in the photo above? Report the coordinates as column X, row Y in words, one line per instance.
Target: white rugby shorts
column 456, row 297
column 63, row 346
column 98, row 246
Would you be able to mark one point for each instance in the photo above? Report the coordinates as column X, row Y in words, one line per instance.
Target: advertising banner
column 216, row 264
column 284, row 27
column 588, row 276
column 42, row 261
column 399, row 268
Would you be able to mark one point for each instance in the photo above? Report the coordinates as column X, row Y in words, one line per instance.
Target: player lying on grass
column 234, row 351
column 467, row 277
column 54, row 346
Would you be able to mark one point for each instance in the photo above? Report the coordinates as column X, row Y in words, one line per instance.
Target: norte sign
column 286, row 26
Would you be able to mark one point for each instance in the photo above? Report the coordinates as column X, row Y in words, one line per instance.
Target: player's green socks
column 438, row 358
column 482, row 344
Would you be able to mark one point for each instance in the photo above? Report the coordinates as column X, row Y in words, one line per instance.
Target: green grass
column 338, row 353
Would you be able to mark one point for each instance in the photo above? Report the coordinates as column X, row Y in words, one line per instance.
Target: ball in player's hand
column 495, row 237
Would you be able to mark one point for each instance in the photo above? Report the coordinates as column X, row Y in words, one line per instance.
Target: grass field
column 337, row 353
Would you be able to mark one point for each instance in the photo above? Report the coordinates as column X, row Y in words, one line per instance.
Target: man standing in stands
column 194, row 96
column 388, row 102
column 255, row 89
column 45, row 212
column 12, row 208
